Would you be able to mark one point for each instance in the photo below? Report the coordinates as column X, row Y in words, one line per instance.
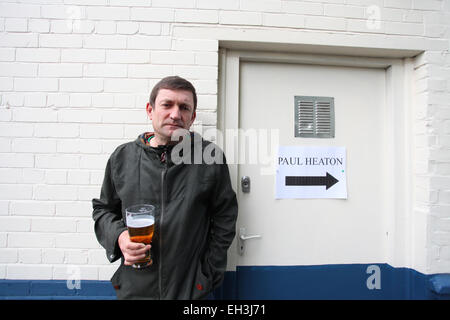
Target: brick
column 55, row 177
column 9, row 256
column 76, row 241
column 14, row 160
column 8, row 224
column 101, row 131
column 53, row 225
column 130, row 3
column 106, row 41
column 28, row 271
column 403, row 4
column 37, row 55
column 427, row 5
column 240, row 18
column 32, row 208
column 82, row 115
column 57, row 161
column 283, row 20
column 125, row 116
column 127, row 27
column 105, row 70
column 79, row 100
column 413, row 16
column 173, row 57
column 61, row 40
column 83, row 55
column 197, row 72
column 76, row 257
column 30, row 256
column 205, row 86
column 54, row 192
column 17, row 69
column 5, row 143
column 173, row 3
column 127, row 56
column 10, row 175
column 19, row 10
column 97, row 257
column 344, row 11
column 85, row 225
column 149, row 71
column 38, row 25
column 52, row 256
column 58, row 99
column 16, row 130
column 195, row 45
column 305, row 8
column 96, row 177
column 74, row 208
column 18, row 40
column 87, row 193
column 150, row 28
column 102, row 100
column 196, row 16
column 85, row 272
column 261, row 5
column 15, row 191
column 60, row 70
column 31, row 175
column 35, row 84
column 16, row 25
column 218, row 4
column 33, row 145
column 57, row 130
column 152, row 14
column 108, row 13
column 404, row 28
column 79, row 146
column 91, row 161
column 7, row 54
column 105, row 27
column 325, row 23
column 6, row 84
column 78, row 177
column 81, row 85
column 126, row 85
column 149, row 42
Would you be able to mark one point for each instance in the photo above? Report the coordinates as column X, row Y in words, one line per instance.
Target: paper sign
column 311, row 172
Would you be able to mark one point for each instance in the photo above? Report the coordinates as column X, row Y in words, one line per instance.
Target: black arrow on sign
column 327, row 181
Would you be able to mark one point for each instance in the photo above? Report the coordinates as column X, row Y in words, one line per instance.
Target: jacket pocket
column 202, row 284
column 131, row 283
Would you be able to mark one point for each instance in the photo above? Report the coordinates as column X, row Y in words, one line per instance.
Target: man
column 195, row 205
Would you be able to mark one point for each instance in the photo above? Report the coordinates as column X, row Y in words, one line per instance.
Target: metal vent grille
column 314, row 117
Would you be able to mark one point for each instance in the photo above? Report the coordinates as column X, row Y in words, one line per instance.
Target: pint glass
column 141, row 224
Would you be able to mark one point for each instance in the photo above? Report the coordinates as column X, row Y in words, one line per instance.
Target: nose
column 175, row 113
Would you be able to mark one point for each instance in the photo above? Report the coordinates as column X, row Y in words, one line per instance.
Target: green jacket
column 196, row 211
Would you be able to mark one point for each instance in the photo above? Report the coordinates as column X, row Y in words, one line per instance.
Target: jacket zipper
column 163, row 200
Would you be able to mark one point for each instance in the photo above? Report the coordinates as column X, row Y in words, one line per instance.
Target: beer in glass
column 141, row 224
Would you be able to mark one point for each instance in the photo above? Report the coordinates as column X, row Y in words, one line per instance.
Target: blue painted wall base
column 349, row 281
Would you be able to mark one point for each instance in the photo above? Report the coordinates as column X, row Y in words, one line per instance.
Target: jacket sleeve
column 107, row 215
column 224, row 212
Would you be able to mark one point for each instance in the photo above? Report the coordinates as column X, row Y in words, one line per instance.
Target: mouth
column 174, row 125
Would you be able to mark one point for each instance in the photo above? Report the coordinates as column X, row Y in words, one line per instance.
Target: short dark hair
column 173, row 83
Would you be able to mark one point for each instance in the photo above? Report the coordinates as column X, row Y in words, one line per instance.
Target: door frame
column 402, row 240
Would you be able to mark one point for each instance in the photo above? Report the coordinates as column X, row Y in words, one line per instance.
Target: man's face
column 173, row 109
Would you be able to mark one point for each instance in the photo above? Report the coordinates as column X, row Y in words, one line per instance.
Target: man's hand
column 132, row 251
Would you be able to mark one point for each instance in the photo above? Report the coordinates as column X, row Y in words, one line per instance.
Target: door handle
column 242, row 238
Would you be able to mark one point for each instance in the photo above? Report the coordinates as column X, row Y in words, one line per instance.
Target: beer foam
column 140, row 222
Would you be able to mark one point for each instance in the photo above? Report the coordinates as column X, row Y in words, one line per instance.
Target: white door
column 295, row 233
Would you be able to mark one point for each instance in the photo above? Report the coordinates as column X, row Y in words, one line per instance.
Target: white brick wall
column 75, row 76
